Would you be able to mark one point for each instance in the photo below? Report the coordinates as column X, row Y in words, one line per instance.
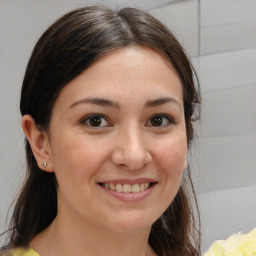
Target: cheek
column 172, row 156
column 76, row 161
column 77, row 157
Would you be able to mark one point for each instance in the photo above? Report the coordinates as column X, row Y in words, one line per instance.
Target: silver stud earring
column 44, row 164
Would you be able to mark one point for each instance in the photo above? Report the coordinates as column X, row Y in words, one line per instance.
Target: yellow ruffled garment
column 20, row 252
column 235, row 245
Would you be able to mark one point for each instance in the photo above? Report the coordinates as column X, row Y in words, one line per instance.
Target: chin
column 132, row 222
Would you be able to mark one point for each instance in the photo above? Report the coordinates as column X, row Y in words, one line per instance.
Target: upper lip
column 129, row 181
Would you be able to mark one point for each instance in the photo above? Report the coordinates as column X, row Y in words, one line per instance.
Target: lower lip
column 130, row 197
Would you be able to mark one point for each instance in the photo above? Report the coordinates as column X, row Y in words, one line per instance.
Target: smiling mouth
column 128, row 188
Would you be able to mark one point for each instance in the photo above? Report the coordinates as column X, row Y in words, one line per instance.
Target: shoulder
column 19, row 252
column 237, row 244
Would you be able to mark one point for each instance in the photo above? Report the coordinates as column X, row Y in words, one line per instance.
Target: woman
column 107, row 105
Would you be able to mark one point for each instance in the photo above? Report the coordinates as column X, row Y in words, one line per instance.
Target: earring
column 44, row 164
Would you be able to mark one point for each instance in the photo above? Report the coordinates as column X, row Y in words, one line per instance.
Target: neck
column 70, row 236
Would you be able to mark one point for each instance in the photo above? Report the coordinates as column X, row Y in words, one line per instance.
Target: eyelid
column 87, row 117
column 170, row 119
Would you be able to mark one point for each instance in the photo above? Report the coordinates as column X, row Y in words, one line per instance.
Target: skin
column 127, row 145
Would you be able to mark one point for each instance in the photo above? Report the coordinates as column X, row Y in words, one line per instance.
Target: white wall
column 220, row 36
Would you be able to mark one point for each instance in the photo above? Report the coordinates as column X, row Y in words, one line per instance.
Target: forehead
column 125, row 73
column 133, row 58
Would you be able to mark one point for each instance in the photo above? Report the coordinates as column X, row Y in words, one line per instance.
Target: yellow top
column 22, row 252
column 235, row 245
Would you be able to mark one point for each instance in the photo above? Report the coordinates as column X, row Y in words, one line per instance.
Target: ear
column 39, row 143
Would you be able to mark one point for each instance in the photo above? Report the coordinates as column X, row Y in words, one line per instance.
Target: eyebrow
column 109, row 103
column 97, row 101
column 161, row 101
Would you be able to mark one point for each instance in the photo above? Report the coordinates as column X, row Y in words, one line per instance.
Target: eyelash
column 169, row 119
column 86, row 120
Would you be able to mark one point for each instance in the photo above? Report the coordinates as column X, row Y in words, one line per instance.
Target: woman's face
column 118, row 140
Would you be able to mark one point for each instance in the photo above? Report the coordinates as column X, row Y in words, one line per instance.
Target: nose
column 130, row 149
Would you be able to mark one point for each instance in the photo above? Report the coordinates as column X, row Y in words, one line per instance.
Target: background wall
column 220, row 36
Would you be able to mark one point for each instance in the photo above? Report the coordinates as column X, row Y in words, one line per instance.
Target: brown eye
column 160, row 120
column 96, row 121
column 156, row 121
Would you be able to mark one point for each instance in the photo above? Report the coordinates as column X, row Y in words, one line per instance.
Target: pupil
column 157, row 121
column 95, row 121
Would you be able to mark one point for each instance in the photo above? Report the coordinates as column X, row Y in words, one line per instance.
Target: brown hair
column 66, row 49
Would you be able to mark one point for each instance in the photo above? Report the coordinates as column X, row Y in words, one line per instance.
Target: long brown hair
column 66, row 49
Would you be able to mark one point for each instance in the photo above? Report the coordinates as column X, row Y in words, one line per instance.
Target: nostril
column 130, row 157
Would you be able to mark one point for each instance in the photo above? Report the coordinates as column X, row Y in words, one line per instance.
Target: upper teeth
column 127, row 188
